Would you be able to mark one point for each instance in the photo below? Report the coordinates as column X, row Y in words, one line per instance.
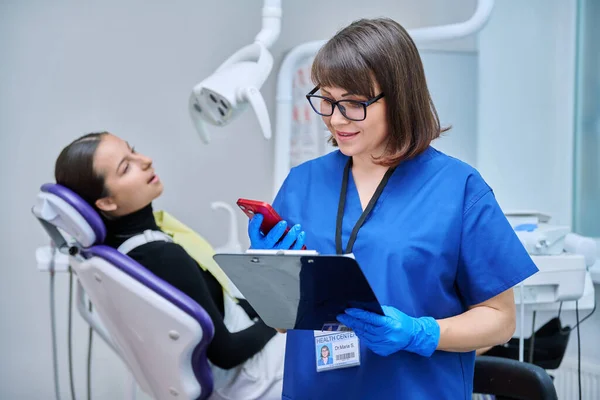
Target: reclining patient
column 245, row 354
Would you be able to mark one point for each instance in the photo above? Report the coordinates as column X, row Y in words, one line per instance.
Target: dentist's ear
column 106, row 204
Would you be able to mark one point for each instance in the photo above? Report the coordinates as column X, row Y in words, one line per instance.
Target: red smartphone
column 271, row 218
column 251, row 207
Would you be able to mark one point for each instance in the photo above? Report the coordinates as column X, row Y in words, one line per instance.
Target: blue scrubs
column 435, row 243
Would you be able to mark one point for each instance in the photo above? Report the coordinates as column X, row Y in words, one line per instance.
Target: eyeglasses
column 353, row 110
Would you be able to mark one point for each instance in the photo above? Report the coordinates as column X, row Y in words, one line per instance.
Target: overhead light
column 236, row 83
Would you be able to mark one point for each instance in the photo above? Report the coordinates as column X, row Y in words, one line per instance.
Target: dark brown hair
column 380, row 50
column 74, row 168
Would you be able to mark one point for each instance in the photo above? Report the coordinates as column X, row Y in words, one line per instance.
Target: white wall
column 526, row 92
column 525, row 122
column 452, row 82
column 70, row 67
column 587, row 126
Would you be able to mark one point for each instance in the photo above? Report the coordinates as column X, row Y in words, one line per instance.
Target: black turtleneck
column 170, row 262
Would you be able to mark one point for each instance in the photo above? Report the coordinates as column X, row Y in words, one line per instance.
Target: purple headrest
column 82, row 207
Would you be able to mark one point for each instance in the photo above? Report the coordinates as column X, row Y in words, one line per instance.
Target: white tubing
column 283, row 116
column 271, row 23
column 232, row 245
column 455, row 31
column 522, row 327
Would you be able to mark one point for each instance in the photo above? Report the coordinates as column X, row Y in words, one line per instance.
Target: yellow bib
column 194, row 244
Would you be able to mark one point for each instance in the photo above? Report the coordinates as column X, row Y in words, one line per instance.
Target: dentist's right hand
column 293, row 240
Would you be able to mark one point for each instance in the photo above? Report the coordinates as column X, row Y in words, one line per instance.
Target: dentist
column 425, row 228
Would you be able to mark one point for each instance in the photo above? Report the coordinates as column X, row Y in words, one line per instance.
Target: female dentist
column 425, row 228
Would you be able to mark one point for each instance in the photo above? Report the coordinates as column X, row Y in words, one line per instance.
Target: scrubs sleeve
column 279, row 202
column 492, row 258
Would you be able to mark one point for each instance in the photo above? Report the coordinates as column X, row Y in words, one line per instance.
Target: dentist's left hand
column 293, row 240
column 395, row 331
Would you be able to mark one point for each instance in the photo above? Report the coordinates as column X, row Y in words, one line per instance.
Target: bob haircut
column 370, row 51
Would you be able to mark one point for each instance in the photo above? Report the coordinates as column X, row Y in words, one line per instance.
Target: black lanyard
column 365, row 214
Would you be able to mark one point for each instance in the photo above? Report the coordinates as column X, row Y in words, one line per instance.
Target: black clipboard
column 299, row 289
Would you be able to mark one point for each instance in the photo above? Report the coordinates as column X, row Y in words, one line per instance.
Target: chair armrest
column 511, row 379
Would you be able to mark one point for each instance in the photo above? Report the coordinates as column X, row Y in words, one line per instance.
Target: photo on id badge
column 336, row 349
column 324, row 355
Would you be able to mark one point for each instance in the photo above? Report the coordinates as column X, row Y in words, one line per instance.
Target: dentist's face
column 128, row 176
column 358, row 138
column 324, row 352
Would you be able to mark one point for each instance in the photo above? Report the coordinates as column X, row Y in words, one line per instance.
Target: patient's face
column 129, row 177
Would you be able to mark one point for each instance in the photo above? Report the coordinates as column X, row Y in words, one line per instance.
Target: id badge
column 336, row 346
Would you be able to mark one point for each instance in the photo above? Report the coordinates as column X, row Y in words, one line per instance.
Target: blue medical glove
column 395, row 331
column 293, row 240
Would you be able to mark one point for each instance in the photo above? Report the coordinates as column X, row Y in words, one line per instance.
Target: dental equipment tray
column 560, row 278
column 299, row 289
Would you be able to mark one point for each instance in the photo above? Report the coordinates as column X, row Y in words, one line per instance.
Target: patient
column 247, row 355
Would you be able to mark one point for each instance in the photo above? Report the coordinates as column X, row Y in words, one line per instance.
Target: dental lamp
column 236, row 83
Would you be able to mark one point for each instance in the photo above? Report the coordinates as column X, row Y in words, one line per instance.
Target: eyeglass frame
column 334, row 103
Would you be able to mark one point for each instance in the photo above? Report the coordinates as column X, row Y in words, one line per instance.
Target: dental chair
column 159, row 332
column 508, row 379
